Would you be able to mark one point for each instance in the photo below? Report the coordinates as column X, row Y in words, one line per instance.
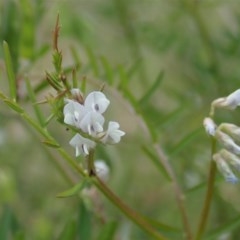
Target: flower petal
column 82, row 145
column 113, row 134
column 92, row 123
column 96, row 101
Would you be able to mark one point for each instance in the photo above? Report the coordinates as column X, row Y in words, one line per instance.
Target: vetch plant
column 82, row 114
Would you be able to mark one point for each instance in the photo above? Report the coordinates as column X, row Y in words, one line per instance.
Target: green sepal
column 73, row 191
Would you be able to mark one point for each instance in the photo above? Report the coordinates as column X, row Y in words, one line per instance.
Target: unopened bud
column 231, row 129
column 102, row 170
column 77, row 95
column 230, row 102
column 224, row 169
column 231, row 158
column 227, row 142
column 209, row 126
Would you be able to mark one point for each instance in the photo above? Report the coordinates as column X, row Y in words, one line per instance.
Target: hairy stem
column 209, row 194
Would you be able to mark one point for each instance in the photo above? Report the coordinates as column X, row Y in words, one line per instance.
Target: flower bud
column 224, row 169
column 102, row 170
column 209, row 126
column 230, row 102
column 231, row 158
column 227, row 142
column 231, row 129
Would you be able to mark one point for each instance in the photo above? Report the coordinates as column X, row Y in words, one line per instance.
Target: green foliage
column 161, row 64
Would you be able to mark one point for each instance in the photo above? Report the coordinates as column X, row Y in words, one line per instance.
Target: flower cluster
column 86, row 115
column 228, row 135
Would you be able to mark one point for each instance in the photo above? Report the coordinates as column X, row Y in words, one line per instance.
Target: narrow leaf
column 51, row 144
column 156, row 162
column 107, row 69
column 93, row 61
column 14, row 106
column 226, row 228
column 10, row 72
column 152, row 89
column 72, row 191
column 108, row 231
column 32, row 97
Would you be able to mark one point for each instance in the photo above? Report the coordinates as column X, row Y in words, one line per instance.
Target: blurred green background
column 186, row 51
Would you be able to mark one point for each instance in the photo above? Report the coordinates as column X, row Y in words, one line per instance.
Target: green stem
column 130, row 213
column 180, row 198
column 209, row 194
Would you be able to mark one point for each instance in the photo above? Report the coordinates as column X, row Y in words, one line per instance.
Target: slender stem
column 131, row 214
column 134, row 216
column 209, row 194
column 178, row 192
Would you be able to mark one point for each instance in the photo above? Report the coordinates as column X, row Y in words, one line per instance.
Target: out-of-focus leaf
column 108, row 231
column 226, row 228
column 51, row 144
column 9, row 29
column 69, row 231
column 185, row 141
column 92, row 61
column 32, row 97
column 5, row 223
column 10, row 71
column 84, row 225
column 108, row 70
column 152, row 89
column 156, row 162
column 72, row 191
column 27, row 40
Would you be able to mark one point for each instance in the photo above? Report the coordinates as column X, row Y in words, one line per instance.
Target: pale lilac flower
column 209, row 126
column 96, row 101
column 82, row 145
column 113, row 134
column 224, row 168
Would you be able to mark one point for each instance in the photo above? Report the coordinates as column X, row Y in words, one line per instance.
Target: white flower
column 209, row 126
column 229, row 102
column 92, row 123
column 227, row 142
column 96, row 101
column 224, row 168
column 102, row 170
column 113, row 134
column 73, row 113
column 82, row 145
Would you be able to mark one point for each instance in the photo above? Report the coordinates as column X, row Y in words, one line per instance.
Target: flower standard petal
column 113, row 134
column 96, row 101
column 81, row 144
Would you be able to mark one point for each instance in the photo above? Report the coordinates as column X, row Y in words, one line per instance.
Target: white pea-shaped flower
column 82, row 145
column 113, row 134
